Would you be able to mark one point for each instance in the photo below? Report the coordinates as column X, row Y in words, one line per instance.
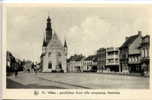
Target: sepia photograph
column 78, row 47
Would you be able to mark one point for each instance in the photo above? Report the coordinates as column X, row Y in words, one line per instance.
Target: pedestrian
column 15, row 69
column 16, row 73
column 35, row 69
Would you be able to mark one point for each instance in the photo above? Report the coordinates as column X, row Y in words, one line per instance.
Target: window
column 143, row 53
column 59, row 54
column 49, row 54
column 116, row 60
column 146, row 53
column 50, row 65
column 116, row 53
column 60, row 65
column 133, row 59
column 136, row 60
column 130, row 59
column 110, row 60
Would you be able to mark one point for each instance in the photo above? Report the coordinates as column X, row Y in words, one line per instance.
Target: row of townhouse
column 12, row 63
column 131, row 57
column 74, row 63
column 79, row 63
column 104, row 60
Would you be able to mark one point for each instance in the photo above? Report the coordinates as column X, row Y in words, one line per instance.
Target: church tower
column 65, row 48
column 54, row 52
column 44, row 46
column 48, row 30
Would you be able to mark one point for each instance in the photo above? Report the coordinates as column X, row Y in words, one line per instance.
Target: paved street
column 76, row 81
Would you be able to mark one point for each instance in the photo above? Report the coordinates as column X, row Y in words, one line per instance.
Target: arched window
column 60, row 65
column 50, row 65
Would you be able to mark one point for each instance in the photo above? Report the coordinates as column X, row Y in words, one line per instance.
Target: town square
column 76, row 81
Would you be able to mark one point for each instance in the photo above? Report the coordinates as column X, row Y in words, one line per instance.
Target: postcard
column 76, row 51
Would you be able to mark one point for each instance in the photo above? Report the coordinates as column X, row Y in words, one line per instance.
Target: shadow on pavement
column 66, row 83
column 43, row 87
column 15, row 85
column 12, row 84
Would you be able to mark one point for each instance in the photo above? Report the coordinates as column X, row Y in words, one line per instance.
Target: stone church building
column 54, row 53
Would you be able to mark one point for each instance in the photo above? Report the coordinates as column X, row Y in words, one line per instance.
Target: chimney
column 139, row 33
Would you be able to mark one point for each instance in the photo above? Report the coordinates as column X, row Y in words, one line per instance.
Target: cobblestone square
column 77, row 81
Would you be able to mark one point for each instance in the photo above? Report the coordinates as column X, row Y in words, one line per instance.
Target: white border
column 78, row 1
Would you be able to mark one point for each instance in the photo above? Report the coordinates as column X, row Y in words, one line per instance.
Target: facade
column 145, row 59
column 28, row 66
column 123, row 59
column 112, row 59
column 124, row 53
column 13, row 63
column 90, row 64
column 101, row 59
column 10, row 61
column 9, row 58
column 126, row 57
column 133, row 52
column 54, row 54
column 75, row 63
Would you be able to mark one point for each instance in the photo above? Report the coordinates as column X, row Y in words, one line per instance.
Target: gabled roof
column 55, row 42
column 9, row 53
column 92, row 57
column 129, row 41
column 101, row 50
column 76, row 58
column 65, row 44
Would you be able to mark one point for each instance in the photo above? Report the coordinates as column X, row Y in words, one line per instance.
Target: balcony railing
column 112, row 63
column 134, row 62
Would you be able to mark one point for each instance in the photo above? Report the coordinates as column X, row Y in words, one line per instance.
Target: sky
column 86, row 28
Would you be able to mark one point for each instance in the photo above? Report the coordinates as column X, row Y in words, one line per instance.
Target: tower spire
column 48, row 27
column 65, row 44
column 48, row 13
column 48, row 30
column 44, row 42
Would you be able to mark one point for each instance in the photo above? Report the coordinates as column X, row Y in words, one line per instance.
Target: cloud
column 89, row 35
column 85, row 29
column 24, row 36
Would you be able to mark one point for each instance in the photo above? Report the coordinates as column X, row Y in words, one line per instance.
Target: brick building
column 133, row 52
column 101, row 59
